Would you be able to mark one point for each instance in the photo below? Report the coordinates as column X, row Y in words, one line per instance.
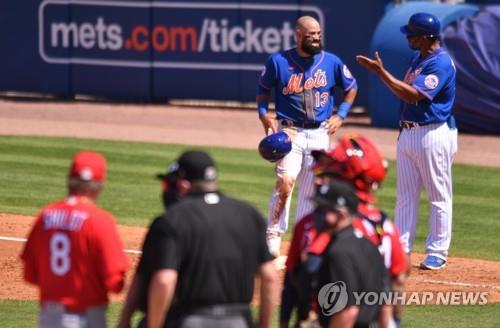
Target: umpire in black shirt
column 200, row 259
column 351, row 263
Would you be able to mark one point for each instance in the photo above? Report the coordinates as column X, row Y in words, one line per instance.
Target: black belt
column 222, row 309
column 409, row 124
column 303, row 125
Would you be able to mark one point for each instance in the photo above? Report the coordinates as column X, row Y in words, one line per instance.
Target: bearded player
column 303, row 79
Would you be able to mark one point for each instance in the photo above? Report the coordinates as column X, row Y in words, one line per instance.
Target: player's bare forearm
column 267, row 119
column 268, row 287
column 350, row 95
column 398, row 87
column 161, row 292
column 385, row 316
column 333, row 124
column 398, row 286
column 269, row 123
column 131, row 303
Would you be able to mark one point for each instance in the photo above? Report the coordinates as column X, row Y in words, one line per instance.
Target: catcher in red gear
column 356, row 160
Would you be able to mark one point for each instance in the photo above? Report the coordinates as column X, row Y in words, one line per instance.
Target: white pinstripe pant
column 298, row 165
column 424, row 159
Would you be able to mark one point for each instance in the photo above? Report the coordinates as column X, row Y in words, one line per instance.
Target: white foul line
column 13, row 239
column 131, row 251
column 455, row 283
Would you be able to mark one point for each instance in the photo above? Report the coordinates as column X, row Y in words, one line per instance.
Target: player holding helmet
column 303, row 79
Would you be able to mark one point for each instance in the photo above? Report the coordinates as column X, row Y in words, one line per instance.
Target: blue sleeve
column 343, row 77
column 267, row 79
column 434, row 77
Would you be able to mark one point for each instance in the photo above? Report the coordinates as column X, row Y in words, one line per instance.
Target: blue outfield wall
column 159, row 50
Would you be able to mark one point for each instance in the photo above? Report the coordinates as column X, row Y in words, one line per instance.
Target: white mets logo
column 431, row 81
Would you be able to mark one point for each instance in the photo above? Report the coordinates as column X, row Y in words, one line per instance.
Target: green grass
column 452, row 316
column 34, row 173
column 476, row 211
column 18, row 314
column 12, row 312
column 443, row 316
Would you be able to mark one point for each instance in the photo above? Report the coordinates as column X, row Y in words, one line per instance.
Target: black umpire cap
column 337, row 195
column 192, row 165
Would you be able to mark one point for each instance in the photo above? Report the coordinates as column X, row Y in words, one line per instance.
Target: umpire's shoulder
column 162, row 225
column 243, row 207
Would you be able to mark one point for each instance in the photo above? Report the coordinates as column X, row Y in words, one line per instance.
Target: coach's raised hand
column 376, row 65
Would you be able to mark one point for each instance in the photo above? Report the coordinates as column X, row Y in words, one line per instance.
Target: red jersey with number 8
column 75, row 255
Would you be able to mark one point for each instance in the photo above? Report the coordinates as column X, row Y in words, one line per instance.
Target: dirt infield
column 236, row 129
column 461, row 274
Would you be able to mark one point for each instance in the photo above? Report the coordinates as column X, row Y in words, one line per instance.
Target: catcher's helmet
column 275, row 146
column 356, row 160
column 422, row 24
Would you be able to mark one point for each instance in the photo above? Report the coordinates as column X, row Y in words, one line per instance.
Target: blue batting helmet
column 275, row 146
column 422, row 24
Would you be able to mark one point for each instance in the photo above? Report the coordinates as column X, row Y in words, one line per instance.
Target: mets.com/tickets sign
column 188, row 35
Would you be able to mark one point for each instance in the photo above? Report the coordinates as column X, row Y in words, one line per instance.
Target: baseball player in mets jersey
column 303, row 79
column 74, row 254
column 428, row 136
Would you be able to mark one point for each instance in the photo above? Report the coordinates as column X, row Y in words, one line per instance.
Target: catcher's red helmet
column 355, row 159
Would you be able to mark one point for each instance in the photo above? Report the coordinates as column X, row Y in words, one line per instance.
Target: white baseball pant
column 297, row 165
column 53, row 315
column 424, row 158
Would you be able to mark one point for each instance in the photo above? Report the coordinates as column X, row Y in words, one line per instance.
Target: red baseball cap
column 88, row 166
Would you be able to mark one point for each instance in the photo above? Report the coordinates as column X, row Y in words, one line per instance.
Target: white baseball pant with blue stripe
column 424, row 159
